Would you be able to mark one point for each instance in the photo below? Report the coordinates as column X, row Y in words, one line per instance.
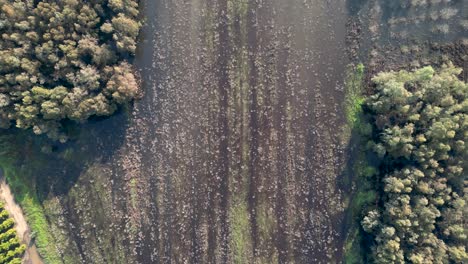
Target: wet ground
column 236, row 150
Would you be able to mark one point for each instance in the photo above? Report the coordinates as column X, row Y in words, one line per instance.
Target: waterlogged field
column 245, row 145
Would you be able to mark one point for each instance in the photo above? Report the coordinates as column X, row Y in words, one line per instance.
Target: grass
column 363, row 197
column 363, row 194
column 22, row 186
column 34, row 213
column 240, row 233
column 354, row 97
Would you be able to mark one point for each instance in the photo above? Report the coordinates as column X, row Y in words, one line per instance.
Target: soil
column 233, row 155
column 244, row 99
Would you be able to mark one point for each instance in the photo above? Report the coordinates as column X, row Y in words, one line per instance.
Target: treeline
column 420, row 130
column 11, row 250
column 65, row 59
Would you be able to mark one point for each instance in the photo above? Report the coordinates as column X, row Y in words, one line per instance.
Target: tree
column 419, row 132
column 123, row 83
column 65, row 60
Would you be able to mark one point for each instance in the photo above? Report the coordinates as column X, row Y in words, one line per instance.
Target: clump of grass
column 353, row 97
column 240, row 233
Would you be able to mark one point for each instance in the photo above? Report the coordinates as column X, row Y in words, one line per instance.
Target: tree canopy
column 420, row 122
column 65, row 60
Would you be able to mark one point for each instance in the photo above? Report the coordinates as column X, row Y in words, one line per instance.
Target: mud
column 241, row 111
column 234, row 154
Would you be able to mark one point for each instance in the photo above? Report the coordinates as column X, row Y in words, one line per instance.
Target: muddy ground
column 237, row 151
column 234, row 154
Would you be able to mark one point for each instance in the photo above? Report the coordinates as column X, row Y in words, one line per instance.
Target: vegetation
column 354, row 98
column 21, row 181
column 364, row 194
column 11, row 249
column 420, row 127
column 65, row 60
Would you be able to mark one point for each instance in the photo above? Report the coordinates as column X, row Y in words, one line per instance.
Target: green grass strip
column 20, row 182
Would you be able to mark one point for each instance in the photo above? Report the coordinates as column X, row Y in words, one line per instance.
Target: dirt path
column 22, row 229
column 14, row 210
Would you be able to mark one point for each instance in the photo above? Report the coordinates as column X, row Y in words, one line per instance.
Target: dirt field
column 233, row 155
column 240, row 120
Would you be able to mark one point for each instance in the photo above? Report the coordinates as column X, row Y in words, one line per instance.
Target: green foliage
column 363, row 195
column 64, row 60
column 420, row 126
column 21, row 184
column 354, row 98
column 34, row 214
column 11, row 249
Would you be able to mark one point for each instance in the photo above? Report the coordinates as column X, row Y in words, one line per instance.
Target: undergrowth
column 22, row 185
column 361, row 169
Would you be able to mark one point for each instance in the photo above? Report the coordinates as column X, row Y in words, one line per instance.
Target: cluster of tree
column 11, row 249
column 65, row 59
column 420, row 129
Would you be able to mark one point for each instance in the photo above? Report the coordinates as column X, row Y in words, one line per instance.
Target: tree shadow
column 349, row 182
column 53, row 168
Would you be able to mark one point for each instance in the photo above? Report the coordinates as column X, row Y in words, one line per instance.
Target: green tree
column 65, row 60
column 419, row 131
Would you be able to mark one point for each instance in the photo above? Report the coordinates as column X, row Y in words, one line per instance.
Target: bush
column 11, row 249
